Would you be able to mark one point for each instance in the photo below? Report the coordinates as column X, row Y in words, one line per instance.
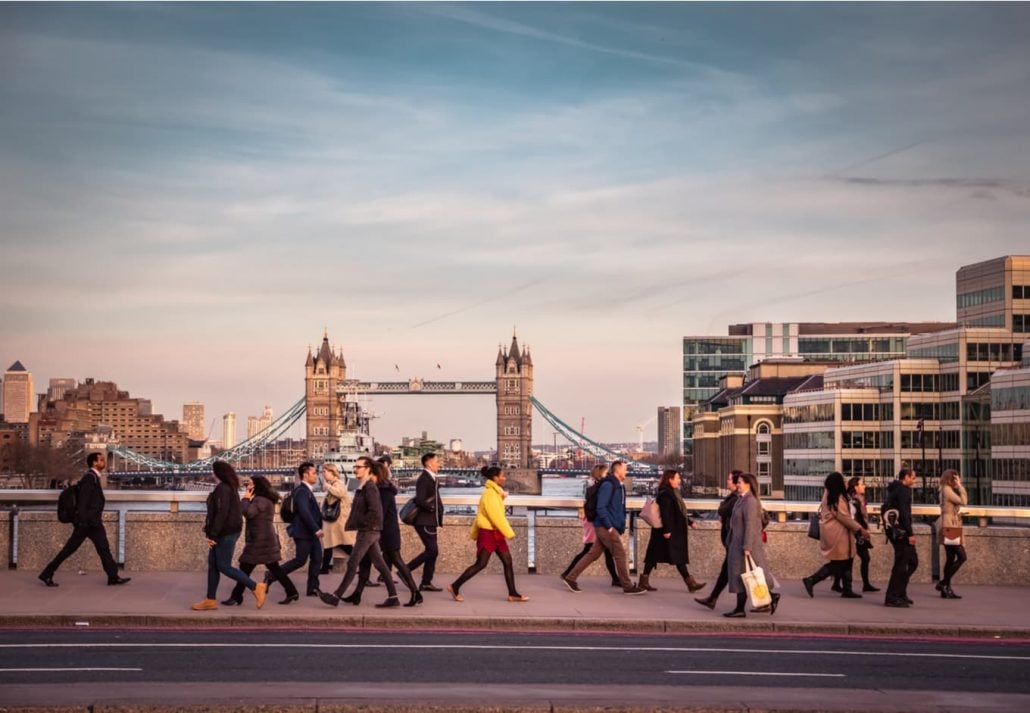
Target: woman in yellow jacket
column 491, row 532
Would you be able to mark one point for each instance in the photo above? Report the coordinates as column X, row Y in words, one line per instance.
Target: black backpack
column 590, row 502
column 286, row 511
column 68, row 504
column 889, row 516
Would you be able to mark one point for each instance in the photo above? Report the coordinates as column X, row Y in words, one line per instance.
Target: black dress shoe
column 330, row 599
column 314, row 593
column 416, row 599
column 429, row 588
column 390, row 603
column 896, row 603
column 232, row 602
column 869, row 588
column 372, row 583
column 836, row 588
column 850, row 595
column 290, row 598
column 118, row 580
column 706, row 602
column 353, row 598
column 809, row 585
column 48, row 580
column 775, row 603
column 908, row 601
column 736, row 614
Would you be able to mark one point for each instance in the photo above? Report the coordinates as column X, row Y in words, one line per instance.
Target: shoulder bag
column 651, row 514
column 409, row 512
column 330, row 508
column 952, row 536
column 754, row 580
column 813, row 524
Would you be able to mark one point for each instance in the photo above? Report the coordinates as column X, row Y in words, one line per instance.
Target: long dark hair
column 853, row 482
column 835, row 489
column 226, row 474
column 489, row 472
column 667, row 476
column 263, row 489
column 753, row 482
column 381, row 470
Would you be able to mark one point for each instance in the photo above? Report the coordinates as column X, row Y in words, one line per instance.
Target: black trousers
column 426, row 558
column 273, row 569
column 906, row 561
column 609, row 563
column 96, row 534
column 309, row 551
column 840, row 570
column 955, row 557
column 392, row 558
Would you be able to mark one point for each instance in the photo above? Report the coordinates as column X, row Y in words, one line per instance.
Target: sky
column 191, row 193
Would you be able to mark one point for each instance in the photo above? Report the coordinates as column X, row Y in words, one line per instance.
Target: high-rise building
column 229, row 430
column 670, row 429
column 257, row 424
column 1010, row 434
column 58, row 387
column 706, row 359
column 17, row 394
column 193, row 419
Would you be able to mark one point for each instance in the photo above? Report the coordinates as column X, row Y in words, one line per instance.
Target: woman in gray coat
column 745, row 538
column 261, row 542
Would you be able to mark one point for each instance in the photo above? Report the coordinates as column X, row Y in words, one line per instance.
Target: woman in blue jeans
column 222, row 528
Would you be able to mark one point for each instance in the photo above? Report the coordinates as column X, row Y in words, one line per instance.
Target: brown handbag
column 952, row 535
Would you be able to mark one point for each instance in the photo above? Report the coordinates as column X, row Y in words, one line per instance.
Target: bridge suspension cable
column 580, row 441
column 260, row 440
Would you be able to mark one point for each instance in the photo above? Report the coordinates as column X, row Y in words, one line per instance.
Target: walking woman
column 859, row 511
column 586, row 519
column 335, row 534
column 668, row 543
column 389, row 541
column 953, row 497
column 837, row 537
column 366, row 516
column 745, row 538
column 222, row 528
column 261, row 542
column 491, row 532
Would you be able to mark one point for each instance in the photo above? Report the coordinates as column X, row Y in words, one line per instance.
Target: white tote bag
column 754, row 581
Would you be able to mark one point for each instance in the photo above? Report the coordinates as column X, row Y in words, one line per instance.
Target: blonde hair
column 599, row 471
column 949, row 477
column 332, row 468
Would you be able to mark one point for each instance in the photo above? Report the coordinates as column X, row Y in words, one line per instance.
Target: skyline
column 190, row 194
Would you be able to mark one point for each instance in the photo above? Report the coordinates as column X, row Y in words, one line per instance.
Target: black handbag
column 409, row 512
column 813, row 526
column 330, row 510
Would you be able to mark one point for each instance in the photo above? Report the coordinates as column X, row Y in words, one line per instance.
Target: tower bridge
column 332, row 410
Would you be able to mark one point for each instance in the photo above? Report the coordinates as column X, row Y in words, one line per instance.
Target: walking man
column 428, row 519
column 725, row 512
column 902, row 538
column 88, row 524
column 609, row 525
column 306, row 529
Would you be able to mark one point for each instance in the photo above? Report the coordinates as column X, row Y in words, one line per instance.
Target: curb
column 532, row 624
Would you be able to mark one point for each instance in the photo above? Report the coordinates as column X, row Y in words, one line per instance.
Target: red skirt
column 491, row 541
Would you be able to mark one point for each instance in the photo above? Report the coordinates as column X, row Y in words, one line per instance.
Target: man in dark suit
column 306, row 528
column 428, row 519
column 88, row 525
column 906, row 561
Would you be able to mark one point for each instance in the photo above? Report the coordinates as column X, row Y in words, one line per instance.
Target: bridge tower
column 322, row 372
column 515, row 415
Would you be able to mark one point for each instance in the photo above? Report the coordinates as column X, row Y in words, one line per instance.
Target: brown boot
column 643, row 583
column 205, row 605
column 692, row 584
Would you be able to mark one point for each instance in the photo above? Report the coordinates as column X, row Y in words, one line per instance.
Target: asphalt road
column 223, row 655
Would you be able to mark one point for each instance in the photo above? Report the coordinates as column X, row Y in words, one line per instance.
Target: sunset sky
column 191, row 193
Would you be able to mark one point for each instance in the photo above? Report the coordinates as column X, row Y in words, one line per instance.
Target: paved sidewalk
column 162, row 599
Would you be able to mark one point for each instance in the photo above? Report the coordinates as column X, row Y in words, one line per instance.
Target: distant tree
column 42, row 466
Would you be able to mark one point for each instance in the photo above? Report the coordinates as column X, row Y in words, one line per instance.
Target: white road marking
column 50, row 670
column 760, row 673
column 491, row 647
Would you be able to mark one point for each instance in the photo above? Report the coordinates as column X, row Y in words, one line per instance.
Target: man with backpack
column 87, row 519
column 897, row 523
column 609, row 525
column 300, row 509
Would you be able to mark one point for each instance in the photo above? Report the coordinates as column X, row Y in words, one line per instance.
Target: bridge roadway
column 559, row 651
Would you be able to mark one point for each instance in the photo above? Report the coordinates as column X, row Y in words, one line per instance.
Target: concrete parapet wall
column 5, row 538
column 41, row 536
column 174, row 541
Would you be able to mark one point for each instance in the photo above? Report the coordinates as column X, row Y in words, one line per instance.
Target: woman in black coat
column 668, row 543
column 390, row 540
column 261, row 543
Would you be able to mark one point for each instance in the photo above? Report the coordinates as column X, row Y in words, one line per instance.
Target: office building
column 707, row 358
column 229, row 430
column 995, row 293
column 1010, row 434
column 193, row 420
column 257, row 424
column 17, row 390
column 58, row 387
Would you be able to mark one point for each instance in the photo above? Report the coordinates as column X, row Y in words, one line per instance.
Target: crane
column 640, row 432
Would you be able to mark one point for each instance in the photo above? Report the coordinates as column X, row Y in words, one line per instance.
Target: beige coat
column 333, row 533
column 952, row 500
column 837, row 530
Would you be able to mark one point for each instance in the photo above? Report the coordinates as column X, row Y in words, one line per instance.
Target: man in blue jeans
column 609, row 525
column 306, row 528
